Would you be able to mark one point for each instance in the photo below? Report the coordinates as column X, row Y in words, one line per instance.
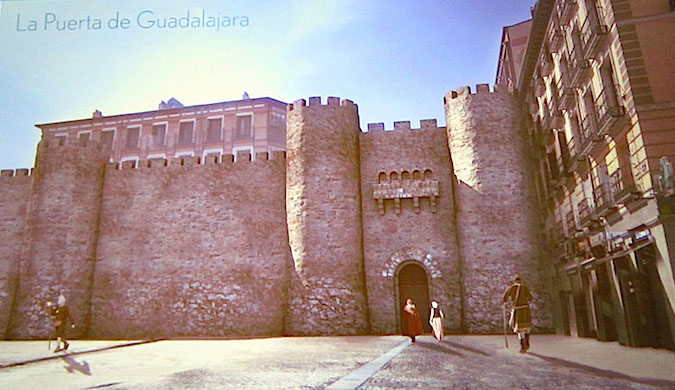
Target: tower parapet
column 323, row 203
column 495, row 219
column 59, row 244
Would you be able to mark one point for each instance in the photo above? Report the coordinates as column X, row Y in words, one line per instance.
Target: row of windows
column 186, row 132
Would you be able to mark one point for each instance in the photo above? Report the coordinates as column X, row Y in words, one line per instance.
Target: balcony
column 585, row 212
column 611, row 116
column 593, row 35
column 587, row 133
column 604, row 201
column 539, row 87
column 569, row 9
column 581, row 72
column 554, row 118
column 623, row 191
column 557, row 39
column 566, row 94
column 547, row 65
column 571, row 222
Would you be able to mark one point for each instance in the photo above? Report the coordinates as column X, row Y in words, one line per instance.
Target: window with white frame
column 60, row 139
column 107, row 137
column 83, row 137
column 214, row 129
column 240, row 152
column 185, row 132
column 158, row 134
column 132, row 138
column 244, row 126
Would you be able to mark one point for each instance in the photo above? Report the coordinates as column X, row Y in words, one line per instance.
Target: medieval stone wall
column 309, row 244
column 323, row 201
column 495, row 217
column 189, row 249
column 59, row 240
column 14, row 193
column 408, row 215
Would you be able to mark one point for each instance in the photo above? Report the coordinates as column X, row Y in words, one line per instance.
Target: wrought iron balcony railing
column 604, row 201
column 593, row 33
column 557, row 39
column 585, row 212
column 623, row 190
column 610, row 114
column 569, row 9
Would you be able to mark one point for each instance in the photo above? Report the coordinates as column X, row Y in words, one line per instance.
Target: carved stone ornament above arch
column 406, row 254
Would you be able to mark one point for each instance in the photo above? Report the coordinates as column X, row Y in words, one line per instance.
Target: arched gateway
column 411, row 281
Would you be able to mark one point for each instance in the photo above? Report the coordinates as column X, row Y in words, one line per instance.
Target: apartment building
column 597, row 82
column 240, row 127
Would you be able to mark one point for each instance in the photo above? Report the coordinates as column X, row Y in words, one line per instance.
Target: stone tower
column 323, row 205
column 59, row 247
column 495, row 216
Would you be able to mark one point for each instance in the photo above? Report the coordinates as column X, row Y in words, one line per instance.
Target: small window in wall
column 158, row 134
column 244, row 126
column 185, row 133
column 83, row 138
column 107, row 137
column 243, row 153
column 132, row 138
column 60, row 140
column 214, row 129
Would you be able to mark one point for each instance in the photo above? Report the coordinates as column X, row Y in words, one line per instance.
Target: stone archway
column 412, row 281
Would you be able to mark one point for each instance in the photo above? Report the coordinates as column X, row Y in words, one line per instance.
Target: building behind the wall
column 597, row 82
column 246, row 126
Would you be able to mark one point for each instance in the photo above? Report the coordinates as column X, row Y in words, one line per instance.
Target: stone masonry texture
column 323, row 201
column 58, row 252
column 307, row 242
column 495, row 217
column 414, row 234
column 15, row 190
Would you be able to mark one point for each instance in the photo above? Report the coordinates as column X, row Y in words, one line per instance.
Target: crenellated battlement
column 315, row 101
column 401, row 126
column 226, row 159
column 19, row 172
column 481, row 89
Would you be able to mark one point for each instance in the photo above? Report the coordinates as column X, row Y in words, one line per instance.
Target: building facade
column 597, row 84
column 246, row 126
column 329, row 237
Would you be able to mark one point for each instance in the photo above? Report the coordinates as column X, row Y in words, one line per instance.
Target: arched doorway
column 413, row 283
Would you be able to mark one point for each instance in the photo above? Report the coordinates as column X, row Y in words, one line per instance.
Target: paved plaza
column 361, row 362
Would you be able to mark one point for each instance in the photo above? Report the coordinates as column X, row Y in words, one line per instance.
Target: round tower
column 59, row 245
column 323, row 205
column 495, row 210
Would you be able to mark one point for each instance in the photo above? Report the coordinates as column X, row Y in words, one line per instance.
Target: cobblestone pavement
column 459, row 362
column 466, row 364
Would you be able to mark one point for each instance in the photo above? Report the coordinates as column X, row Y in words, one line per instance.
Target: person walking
column 413, row 325
column 521, row 319
column 60, row 317
column 436, row 320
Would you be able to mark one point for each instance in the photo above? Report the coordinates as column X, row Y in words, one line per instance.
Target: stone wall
column 189, row 249
column 495, row 217
column 323, row 201
column 59, row 242
column 14, row 194
column 421, row 228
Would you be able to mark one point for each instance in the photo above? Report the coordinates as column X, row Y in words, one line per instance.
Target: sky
column 61, row 60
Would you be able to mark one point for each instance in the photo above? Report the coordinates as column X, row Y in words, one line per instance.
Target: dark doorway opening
column 413, row 284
